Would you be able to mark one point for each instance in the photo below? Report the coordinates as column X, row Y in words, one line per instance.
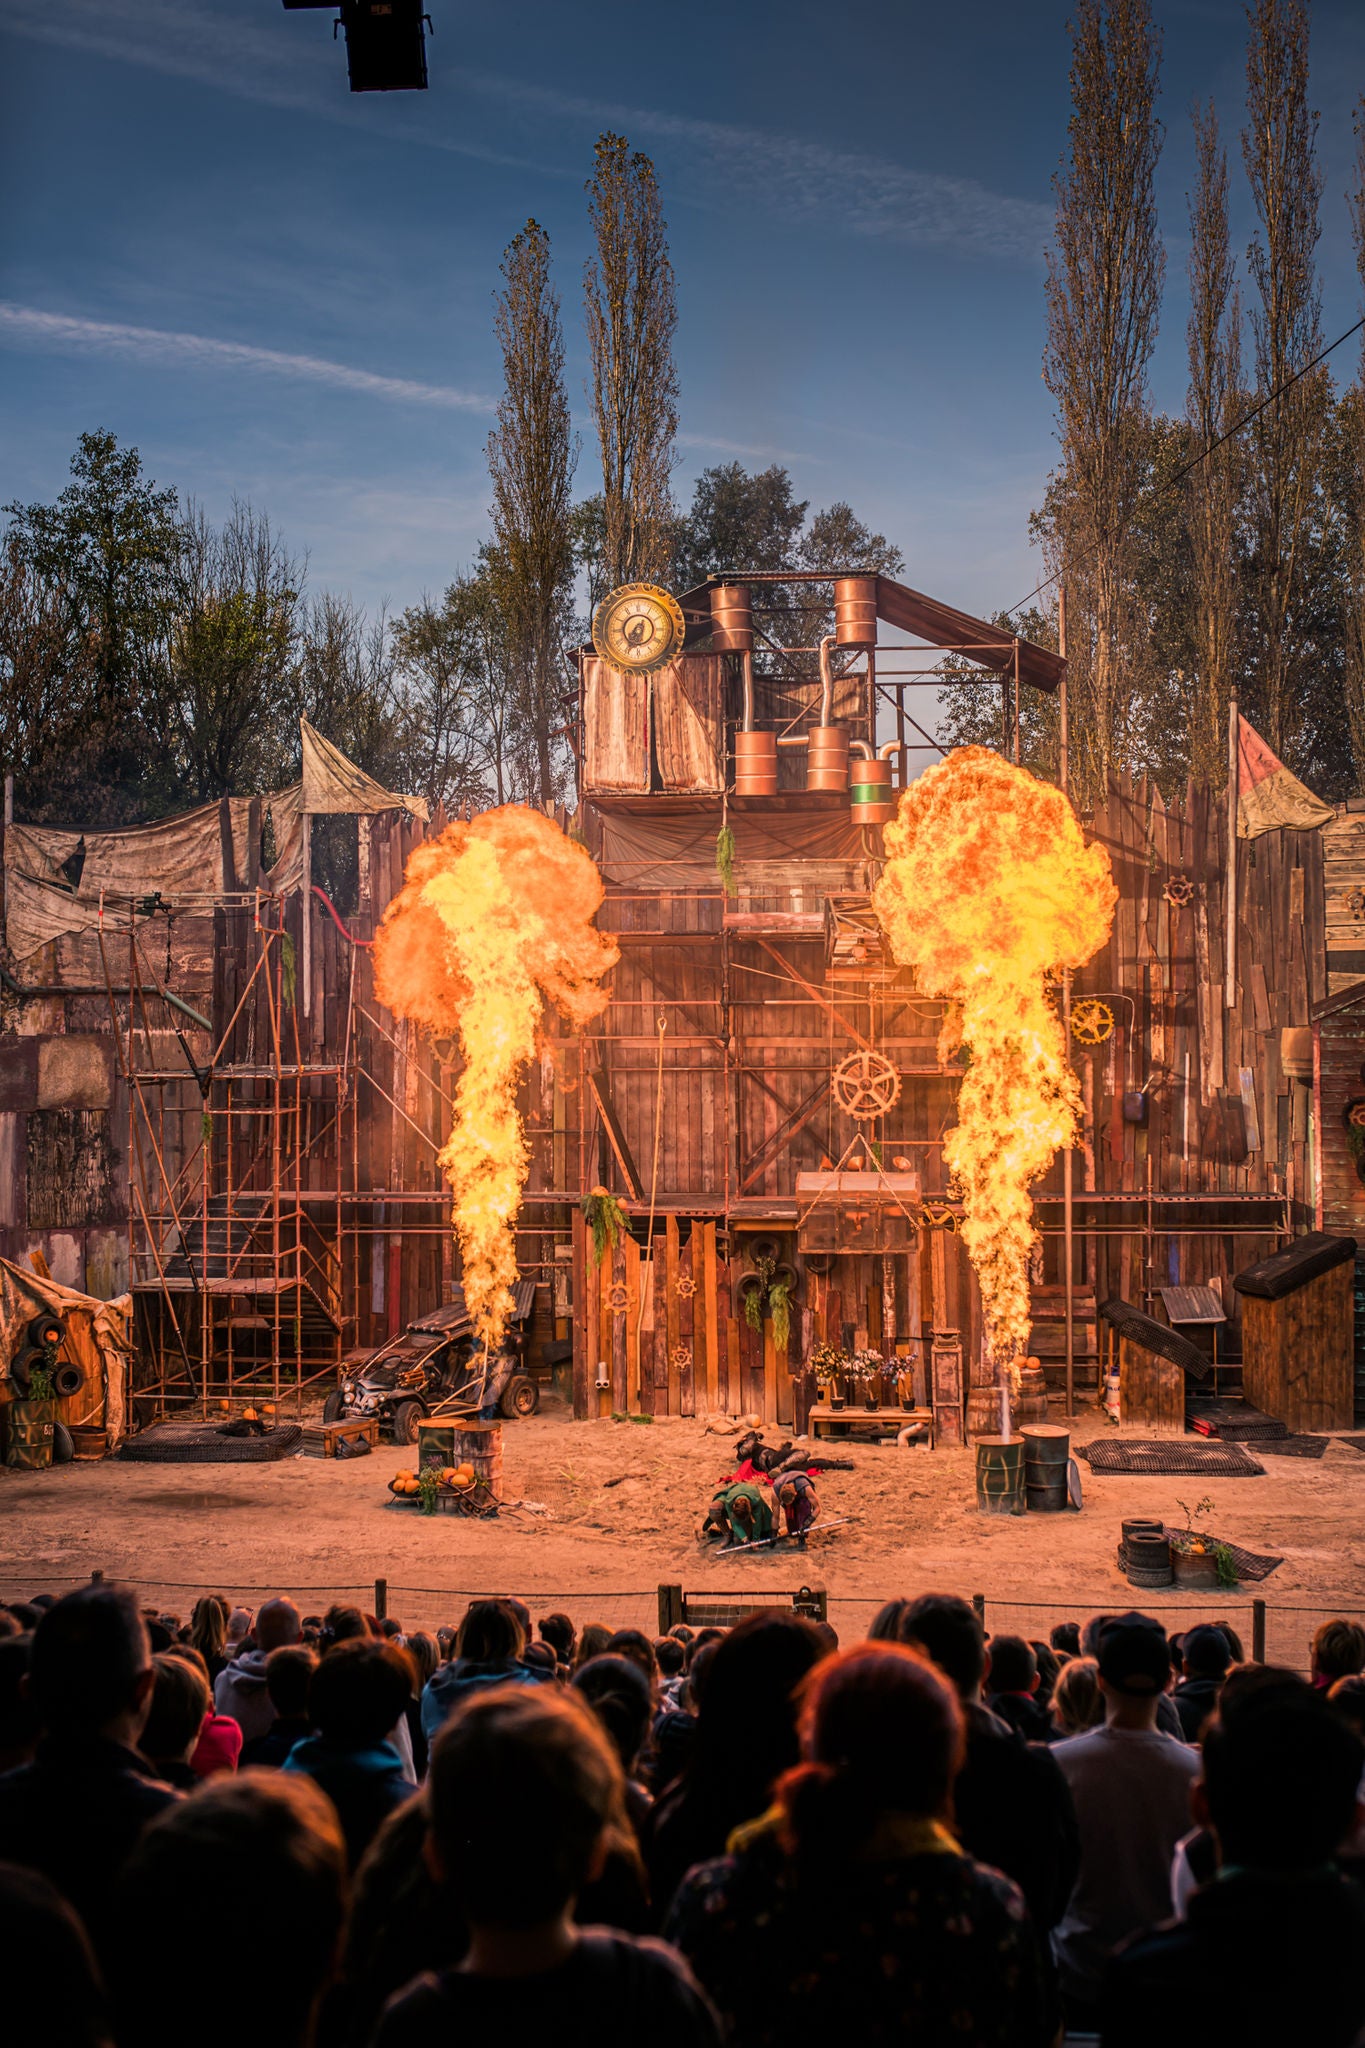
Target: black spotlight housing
column 386, row 47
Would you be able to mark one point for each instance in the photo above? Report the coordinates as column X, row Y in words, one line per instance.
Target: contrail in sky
column 29, row 326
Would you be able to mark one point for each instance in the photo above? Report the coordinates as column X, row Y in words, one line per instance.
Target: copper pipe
column 826, row 680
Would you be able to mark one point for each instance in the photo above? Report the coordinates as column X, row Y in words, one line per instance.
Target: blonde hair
column 1077, row 1702
column 209, row 1625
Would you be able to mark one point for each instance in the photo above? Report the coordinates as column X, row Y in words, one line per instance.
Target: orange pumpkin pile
column 455, row 1478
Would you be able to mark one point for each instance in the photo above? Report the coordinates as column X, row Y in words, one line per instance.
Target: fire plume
column 493, row 922
column 989, row 887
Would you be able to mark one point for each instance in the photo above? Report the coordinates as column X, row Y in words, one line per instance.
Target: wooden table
column 826, row 1421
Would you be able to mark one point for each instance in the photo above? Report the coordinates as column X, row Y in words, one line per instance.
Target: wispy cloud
column 763, row 450
column 289, row 67
column 282, row 66
column 30, row 326
column 868, row 195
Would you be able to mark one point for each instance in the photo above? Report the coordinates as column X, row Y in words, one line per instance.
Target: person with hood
column 1204, row 1661
column 357, row 1694
column 240, row 1689
column 488, row 1652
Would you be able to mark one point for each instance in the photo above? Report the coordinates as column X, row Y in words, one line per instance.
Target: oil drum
column 1046, row 1450
column 29, row 1433
column 755, row 764
column 827, row 757
column 855, row 611
column 1000, row 1475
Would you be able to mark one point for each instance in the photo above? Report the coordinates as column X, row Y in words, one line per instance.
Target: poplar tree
column 1286, row 441
column 1104, row 278
column 532, row 454
column 1213, row 337
column 631, row 313
column 1352, row 414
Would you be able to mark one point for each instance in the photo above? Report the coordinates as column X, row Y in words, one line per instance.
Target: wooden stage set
column 259, row 1165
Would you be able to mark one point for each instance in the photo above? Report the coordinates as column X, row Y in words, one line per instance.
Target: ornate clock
column 638, row 628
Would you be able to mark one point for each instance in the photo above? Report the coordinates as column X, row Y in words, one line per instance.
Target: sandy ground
column 612, row 1509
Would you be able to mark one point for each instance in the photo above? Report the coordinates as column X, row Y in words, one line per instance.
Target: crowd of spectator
column 325, row 1831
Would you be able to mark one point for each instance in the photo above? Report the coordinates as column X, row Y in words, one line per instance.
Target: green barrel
column 1046, row 1450
column 1000, row 1475
column 28, row 1435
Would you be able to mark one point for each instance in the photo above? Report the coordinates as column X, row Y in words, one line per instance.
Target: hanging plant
column 287, row 975
column 768, row 1291
column 725, row 859
column 606, row 1220
column 780, row 1309
column 40, row 1387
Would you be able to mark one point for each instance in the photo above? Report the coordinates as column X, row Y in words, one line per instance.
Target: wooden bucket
column 1000, row 1475
column 89, row 1442
column 1046, row 1451
column 28, row 1435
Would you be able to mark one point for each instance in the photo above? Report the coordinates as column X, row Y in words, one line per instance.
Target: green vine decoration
column 725, row 859
column 287, row 973
column 780, row 1309
column 1224, row 1566
column 40, row 1387
column 756, row 1298
column 606, row 1220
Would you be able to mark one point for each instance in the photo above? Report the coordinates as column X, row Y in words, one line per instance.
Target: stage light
column 385, row 42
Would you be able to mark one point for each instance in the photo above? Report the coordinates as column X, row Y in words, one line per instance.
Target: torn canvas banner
column 1268, row 796
column 333, row 786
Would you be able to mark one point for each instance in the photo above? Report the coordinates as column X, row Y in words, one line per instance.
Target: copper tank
column 732, row 618
column 855, row 611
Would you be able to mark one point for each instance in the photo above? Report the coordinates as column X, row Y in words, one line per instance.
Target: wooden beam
column 616, row 1137
column 788, row 1129
column 816, row 997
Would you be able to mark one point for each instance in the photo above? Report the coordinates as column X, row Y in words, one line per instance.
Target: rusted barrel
column 1000, row 1475
column 87, row 1441
column 28, row 1435
column 827, row 757
column 1046, row 1450
column 855, row 611
column 732, row 618
column 755, row 764
column 1030, row 1403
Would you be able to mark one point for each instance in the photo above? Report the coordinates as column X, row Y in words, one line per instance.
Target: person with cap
column 1204, row 1661
column 1131, row 1788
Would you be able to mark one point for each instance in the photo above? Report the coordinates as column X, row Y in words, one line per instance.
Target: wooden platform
column 826, row 1421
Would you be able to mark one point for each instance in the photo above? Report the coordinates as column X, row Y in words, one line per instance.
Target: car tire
column 334, row 1407
column 406, row 1417
column 519, row 1398
column 63, row 1449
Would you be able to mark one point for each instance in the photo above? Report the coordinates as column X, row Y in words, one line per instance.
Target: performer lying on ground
column 744, row 1509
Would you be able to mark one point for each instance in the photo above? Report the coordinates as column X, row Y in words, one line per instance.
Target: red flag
column 1268, row 795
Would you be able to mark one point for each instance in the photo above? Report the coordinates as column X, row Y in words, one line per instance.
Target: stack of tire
column 40, row 1346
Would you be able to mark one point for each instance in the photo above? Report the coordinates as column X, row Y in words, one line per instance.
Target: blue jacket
column 454, row 1683
column 364, row 1784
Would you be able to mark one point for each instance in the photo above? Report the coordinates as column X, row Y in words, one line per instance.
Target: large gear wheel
column 1091, row 1021
column 866, row 1085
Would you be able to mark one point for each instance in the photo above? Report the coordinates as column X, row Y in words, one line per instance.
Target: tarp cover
column 98, row 1333
column 334, row 786
column 677, row 852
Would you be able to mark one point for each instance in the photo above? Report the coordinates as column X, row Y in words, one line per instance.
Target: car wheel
column 334, row 1407
column 406, row 1417
column 520, row 1397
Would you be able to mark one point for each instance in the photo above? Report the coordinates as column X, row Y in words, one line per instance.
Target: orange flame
column 988, row 888
column 494, row 920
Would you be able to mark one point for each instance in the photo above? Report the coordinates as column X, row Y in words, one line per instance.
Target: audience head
column 190, row 1655
column 558, row 1631
column 1014, row 1668
column 289, row 1679
column 592, row 1641
column 1089, row 1645
column 949, row 1632
column 239, row 1627
column 516, row 1766
column 251, row 1871
column 886, row 1622
column 1077, row 1702
column 1135, row 1663
column 635, row 1644
column 1065, row 1638
column 359, row 1691
column 1348, row 1698
column 60, row 1998
column 344, row 1625
column 491, row 1633
column 881, row 1731
column 670, row 1656
column 277, row 1624
column 1049, row 1664
column 180, row 1701
column 1233, row 1640
column 619, row 1694
column 1338, row 1651
column 18, row 1715
column 746, row 1709
column 1204, row 1652
column 424, row 1653
column 1281, row 1777
column 209, row 1624
column 91, row 1669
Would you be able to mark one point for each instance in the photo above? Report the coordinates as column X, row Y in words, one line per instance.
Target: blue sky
column 281, row 291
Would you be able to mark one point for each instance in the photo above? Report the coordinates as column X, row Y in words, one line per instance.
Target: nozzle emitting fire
column 988, row 888
column 493, row 921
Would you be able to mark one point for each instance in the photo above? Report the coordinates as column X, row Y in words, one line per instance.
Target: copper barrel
column 862, row 774
column 855, row 611
column 732, row 618
column 755, row 764
column 827, row 757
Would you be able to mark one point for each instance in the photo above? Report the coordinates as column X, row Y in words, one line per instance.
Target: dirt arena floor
column 605, row 1511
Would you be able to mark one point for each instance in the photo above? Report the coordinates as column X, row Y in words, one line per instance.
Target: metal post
column 979, row 1607
column 1068, row 1205
column 1230, row 948
column 306, row 854
column 1258, row 1631
column 9, row 820
column 1018, row 742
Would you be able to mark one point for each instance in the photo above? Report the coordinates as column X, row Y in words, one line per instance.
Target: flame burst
column 494, row 920
column 988, row 888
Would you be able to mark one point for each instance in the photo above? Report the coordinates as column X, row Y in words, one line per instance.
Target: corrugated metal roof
column 1193, row 1305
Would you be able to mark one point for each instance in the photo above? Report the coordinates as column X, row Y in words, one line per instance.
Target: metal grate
column 1199, row 1461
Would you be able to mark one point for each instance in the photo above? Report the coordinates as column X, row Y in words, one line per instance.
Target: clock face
column 637, row 628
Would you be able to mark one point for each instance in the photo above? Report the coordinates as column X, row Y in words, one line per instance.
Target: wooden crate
column 1151, row 1390
column 1298, row 1333
column 352, row 1429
